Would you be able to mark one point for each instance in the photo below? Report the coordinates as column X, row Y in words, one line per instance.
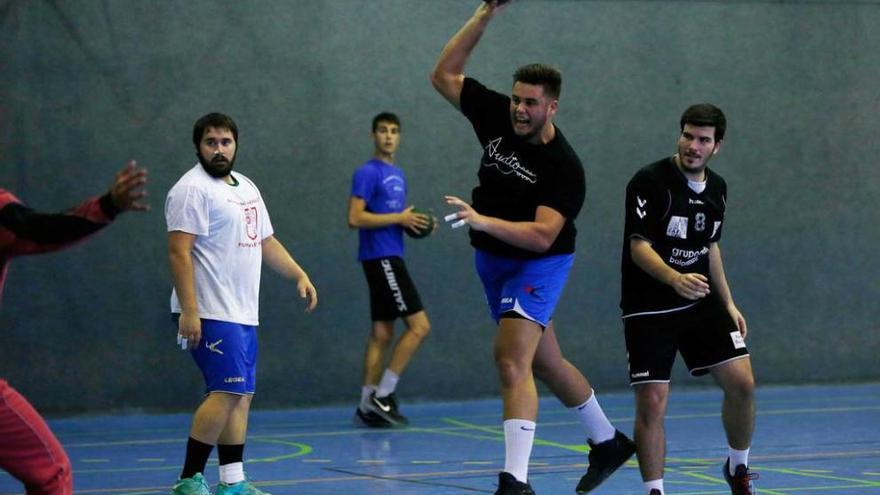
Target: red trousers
column 28, row 449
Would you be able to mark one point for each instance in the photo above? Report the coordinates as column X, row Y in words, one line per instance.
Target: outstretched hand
column 127, row 191
column 466, row 214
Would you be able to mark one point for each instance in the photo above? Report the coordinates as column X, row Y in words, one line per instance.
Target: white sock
column 737, row 457
column 594, row 421
column 232, row 473
column 654, row 485
column 366, row 391
column 519, row 435
column 387, row 384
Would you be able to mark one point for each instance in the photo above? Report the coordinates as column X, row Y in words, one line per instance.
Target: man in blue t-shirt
column 531, row 188
column 377, row 207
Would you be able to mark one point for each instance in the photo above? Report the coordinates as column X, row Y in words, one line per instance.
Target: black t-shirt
column 516, row 176
column 679, row 223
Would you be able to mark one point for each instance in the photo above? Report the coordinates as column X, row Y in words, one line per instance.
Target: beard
column 218, row 167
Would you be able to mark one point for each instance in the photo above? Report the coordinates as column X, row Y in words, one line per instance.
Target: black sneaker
column 741, row 481
column 604, row 459
column 509, row 485
column 386, row 407
column 369, row 419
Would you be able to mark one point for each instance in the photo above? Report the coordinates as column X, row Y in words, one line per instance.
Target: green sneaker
column 245, row 487
column 191, row 486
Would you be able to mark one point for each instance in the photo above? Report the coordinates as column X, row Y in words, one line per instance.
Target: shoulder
column 7, row 197
column 565, row 152
column 244, row 179
column 651, row 175
column 716, row 180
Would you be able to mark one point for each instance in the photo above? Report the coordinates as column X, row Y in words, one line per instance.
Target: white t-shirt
column 230, row 223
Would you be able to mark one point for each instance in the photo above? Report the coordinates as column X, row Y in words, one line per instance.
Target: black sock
column 197, row 454
column 227, row 454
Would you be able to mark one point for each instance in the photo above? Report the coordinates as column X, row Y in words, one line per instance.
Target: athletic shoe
column 654, row 492
column 191, row 486
column 241, row 488
column 369, row 419
column 387, row 408
column 741, row 481
column 604, row 459
column 509, row 485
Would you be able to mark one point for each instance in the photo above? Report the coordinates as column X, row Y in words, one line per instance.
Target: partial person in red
column 28, row 450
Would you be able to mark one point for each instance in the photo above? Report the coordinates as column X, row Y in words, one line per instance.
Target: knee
column 420, row 330
column 56, row 479
column 650, row 406
column 381, row 337
column 544, row 369
column 741, row 389
column 511, row 371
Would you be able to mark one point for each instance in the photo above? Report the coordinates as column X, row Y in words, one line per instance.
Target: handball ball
column 421, row 234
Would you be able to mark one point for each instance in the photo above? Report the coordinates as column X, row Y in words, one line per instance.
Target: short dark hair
column 705, row 115
column 215, row 120
column 542, row 75
column 386, row 117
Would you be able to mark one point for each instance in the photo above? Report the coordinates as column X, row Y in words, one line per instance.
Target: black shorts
column 392, row 292
column 705, row 334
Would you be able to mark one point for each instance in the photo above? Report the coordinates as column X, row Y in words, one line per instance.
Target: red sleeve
column 26, row 231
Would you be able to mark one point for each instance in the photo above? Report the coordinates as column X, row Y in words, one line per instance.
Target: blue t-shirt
column 383, row 188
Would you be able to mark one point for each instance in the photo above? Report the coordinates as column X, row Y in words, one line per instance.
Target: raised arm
column 37, row 232
column 448, row 74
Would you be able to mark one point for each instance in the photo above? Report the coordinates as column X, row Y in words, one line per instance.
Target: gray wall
column 86, row 85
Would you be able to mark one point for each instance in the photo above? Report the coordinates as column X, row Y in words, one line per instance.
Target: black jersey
column 516, row 176
column 679, row 223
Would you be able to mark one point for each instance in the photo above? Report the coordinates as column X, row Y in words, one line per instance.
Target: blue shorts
column 227, row 357
column 529, row 288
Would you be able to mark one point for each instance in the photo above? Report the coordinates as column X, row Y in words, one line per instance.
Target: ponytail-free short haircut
column 386, row 117
column 705, row 115
column 217, row 121
column 542, row 75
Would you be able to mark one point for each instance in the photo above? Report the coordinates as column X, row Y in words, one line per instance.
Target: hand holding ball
column 421, row 233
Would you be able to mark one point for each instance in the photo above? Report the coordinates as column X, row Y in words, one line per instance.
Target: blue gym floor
column 809, row 440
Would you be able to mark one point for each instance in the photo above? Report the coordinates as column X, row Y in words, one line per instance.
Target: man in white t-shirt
column 219, row 234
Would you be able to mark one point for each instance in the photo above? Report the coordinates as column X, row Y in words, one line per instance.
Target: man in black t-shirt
column 675, row 297
column 531, row 188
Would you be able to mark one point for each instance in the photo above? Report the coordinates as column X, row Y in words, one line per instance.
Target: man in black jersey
column 675, row 297
column 531, row 188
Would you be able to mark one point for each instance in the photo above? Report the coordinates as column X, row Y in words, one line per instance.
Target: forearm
column 369, row 220
column 448, row 73
column 279, row 260
column 646, row 258
column 183, row 276
column 531, row 236
column 717, row 276
column 37, row 232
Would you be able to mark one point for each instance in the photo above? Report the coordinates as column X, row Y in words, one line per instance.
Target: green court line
column 304, row 449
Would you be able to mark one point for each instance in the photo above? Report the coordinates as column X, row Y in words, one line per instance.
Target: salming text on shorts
column 705, row 334
column 392, row 292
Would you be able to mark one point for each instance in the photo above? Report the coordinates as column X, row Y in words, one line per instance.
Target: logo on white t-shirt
column 250, row 222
